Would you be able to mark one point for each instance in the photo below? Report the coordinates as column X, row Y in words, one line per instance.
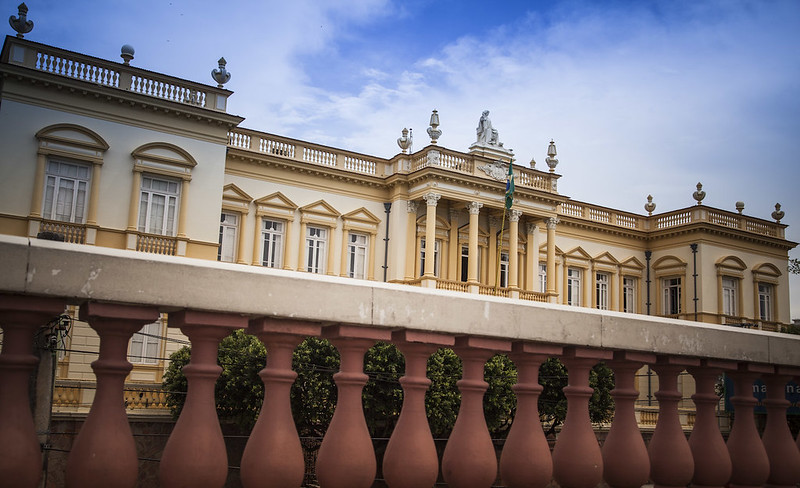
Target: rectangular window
column 503, row 269
column 629, row 295
column 357, row 247
column 228, row 228
column 543, row 278
column 145, row 344
column 65, row 192
column 765, row 301
column 573, row 286
column 729, row 296
column 158, row 205
column 601, row 290
column 464, row 263
column 316, row 244
column 272, row 243
column 436, row 254
column 671, row 289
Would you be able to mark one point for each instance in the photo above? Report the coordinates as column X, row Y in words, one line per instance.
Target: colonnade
column 104, row 454
column 432, row 199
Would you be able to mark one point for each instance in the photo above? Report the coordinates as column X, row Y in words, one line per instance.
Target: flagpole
column 499, row 250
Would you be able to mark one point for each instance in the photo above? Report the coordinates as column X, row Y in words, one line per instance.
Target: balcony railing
column 156, row 244
column 67, row 64
column 74, row 233
column 207, row 300
column 668, row 220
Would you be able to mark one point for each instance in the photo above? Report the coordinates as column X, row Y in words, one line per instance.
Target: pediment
column 276, row 200
column 731, row 262
column 767, row 269
column 361, row 215
column 578, row 253
column 320, row 208
column 606, row 258
column 632, row 262
column 72, row 135
column 164, row 153
column 669, row 262
column 233, row 192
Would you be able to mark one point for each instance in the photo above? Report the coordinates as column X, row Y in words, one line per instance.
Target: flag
column 510, row 186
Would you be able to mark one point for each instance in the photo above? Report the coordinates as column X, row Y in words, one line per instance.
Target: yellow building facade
column 101, row 153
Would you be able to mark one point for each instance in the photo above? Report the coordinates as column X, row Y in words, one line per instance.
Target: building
column 109, row 156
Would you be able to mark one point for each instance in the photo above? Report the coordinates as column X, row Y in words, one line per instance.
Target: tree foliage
column 239, row 390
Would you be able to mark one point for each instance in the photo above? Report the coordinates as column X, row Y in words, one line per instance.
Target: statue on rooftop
column 486, row 133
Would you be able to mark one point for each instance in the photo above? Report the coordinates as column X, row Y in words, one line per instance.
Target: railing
column 59, row 62
column 145, row 398
column 492, row 291
column 452, row 285
column 156, row 244
column 207, row 300
column 533, row 296
column 291, row 149
column 696, row 214
column 74, row 233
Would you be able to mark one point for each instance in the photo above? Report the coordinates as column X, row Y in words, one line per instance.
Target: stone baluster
column 104, row 453
column 195, row 453
column 784, row 457
column 20, row 454
column 625, row 460
column 273, row 457
column 346, row 458
column 469, row 458
column 712, row 463
column 671, row 461
column 748, row 456
column 525, row 461
column 410, row 460
column 577, row 460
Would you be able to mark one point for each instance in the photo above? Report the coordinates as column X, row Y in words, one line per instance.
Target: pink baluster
column 712, row 463
column 104, row 453
column 577, row 460
column 625, row 460
column 797, row 382
column 20, row 454
column 469, row 459
column 195, row 453
column 525, row 461
column 346, row 458
column 748, row 456
column 273, row 457
column 671, row 461
column 410, row 460
column 784, row 457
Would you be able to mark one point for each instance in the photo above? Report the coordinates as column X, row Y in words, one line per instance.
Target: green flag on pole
column 510, row 186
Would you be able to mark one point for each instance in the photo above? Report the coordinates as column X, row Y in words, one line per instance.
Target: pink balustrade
column 104, row 453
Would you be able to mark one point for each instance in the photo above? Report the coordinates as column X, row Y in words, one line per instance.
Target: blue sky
column 641, row 97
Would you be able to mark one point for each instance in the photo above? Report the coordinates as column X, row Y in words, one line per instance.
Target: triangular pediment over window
column 234, row 198
column 320, row 212
column 276, row 204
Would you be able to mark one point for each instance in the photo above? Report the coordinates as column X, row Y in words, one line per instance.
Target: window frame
column 437, row 257
column 630, row 284
column 573, row 286
column 353, row 256
column 672, row 295
column 171, row 199
column 57, row 178
column 316, row 261
column 281, row 244
column 602, row 282
column 147, row 343
column 226, row 226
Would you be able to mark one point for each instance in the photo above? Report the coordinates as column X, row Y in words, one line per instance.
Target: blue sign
column 760, row 393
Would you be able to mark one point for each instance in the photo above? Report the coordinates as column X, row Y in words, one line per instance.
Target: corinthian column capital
column 474, row 207
column 431, row 198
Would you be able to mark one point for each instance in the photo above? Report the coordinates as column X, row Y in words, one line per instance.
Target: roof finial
column 699, row 195
column 778, row 213
column 649, row 206
column 434, row 130
column 126, row 53
column 551, row 160
column 220, row 74
column 21, row 24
